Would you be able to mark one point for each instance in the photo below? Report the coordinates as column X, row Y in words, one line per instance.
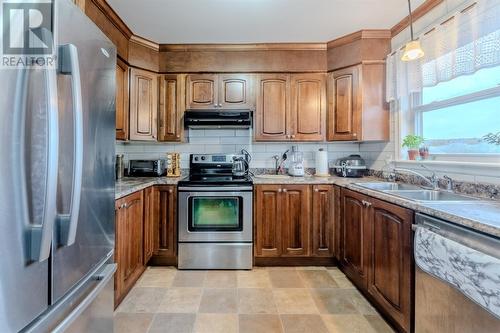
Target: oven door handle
column 215, row 189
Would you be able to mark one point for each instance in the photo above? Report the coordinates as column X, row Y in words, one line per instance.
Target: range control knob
column 196, row 158
column 203, row 158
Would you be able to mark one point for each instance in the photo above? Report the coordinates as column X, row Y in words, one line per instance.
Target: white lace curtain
column 465, row 43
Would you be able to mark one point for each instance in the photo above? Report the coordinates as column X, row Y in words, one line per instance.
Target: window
column 454, row 116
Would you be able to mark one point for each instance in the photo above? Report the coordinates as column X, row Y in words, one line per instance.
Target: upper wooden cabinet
column 170, row 107
column 121, row 104
column 290, row 107
column 219, row 91
column 143, row 105
column 357, row 110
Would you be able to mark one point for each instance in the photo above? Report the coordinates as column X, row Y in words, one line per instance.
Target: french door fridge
column 57, row 184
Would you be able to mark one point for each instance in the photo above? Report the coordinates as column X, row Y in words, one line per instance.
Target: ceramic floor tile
column 132, row 322
column 181, row 300
column 303, row 323
column 286, row 279
column 189, row 279
column 220, row 279
column 346, row 323
column 216, row 323
column 256, row 278
column 157, row 277
column 311, row 268
column 294, row 301
column 378, row 324
column 142, row 300
column 335, row 271
column 363, row 306
column 281, row 268
column 173, row 323
column 317, row 279
column 334, row 301
column 260, row 323
column 343, row 282
column 219, row 301
column 256, row 300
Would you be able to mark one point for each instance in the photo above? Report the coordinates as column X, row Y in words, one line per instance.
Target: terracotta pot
column 412, row 154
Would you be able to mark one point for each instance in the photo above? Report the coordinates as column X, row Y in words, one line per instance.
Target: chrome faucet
column 450, row 183
column 433, row 180
column 278, row 162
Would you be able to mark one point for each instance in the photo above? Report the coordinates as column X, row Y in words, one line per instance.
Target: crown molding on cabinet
column 358, row 35
column 144, row 42
column 423, row 9
column 113, row 17
column 242, row 47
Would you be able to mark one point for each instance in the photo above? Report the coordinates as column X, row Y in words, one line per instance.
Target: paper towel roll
column 322, row 163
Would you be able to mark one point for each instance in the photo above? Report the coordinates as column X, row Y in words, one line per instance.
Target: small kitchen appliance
column 147, row 168
column 296, row 167
column 350, row 166
column 173, row 165
column 215, row 207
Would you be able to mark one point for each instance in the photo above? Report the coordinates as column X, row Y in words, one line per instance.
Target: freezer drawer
column 215, row 256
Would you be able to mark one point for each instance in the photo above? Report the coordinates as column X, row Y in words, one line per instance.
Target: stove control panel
column 213, row 158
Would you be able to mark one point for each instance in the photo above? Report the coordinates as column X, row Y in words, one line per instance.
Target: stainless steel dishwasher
column 457, row 278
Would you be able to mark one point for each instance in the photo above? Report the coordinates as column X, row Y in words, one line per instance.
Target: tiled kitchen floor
column 271, row 299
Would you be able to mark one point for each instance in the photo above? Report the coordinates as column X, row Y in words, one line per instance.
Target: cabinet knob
column 284, row 190
column 170, row 191
column 316, row 190
column 279, row 190
column 215, row 105
column 293, row 136
column 177, row 136
column 220, row 105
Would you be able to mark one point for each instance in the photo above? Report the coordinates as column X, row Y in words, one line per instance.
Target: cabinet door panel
column 165, row 221
column 143, row 105
column 170, row 107
column 235, row 91
column 296, row 217
column 308, row 107
column 355, row 238
column 201, row 91
column 391, row 247
column 344, row 112
column 272, row 109
column 148, row 224
column 122, row 100
column 268, row 216
column 323, row 218
column 135, row 228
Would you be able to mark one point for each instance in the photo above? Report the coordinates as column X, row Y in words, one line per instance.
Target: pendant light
column 413, row 49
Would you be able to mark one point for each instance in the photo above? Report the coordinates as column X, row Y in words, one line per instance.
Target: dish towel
column 474, row 274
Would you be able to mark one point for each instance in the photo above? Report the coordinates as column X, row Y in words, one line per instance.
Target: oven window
column 215, row 214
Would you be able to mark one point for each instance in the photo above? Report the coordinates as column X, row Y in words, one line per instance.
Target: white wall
column 232, row 141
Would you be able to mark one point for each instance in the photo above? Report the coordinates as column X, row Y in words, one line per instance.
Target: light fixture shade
column 413, row 51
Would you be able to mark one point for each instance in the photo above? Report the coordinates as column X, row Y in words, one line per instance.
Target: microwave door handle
column 68, row 221
column 40, row 234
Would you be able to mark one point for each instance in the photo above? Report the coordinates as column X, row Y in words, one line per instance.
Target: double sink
column 415, row 193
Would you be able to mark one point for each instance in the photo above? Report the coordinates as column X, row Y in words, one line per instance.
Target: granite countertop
column 480, row 215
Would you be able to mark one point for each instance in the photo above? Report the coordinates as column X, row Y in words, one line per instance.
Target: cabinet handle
column 366, row 203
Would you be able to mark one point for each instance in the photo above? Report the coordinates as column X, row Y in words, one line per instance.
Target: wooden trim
column 361, row 34
column 242, row 47
column 423, row 9
column 113, row 17
column 144, row 42
column 297, row 261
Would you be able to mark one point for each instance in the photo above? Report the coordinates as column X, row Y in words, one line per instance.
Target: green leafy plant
column 493, row 138
column 412, row 141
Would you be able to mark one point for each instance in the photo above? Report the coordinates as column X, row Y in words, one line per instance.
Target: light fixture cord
column 411, row 20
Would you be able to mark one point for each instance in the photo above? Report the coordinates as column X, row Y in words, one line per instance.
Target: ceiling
column 256, row 21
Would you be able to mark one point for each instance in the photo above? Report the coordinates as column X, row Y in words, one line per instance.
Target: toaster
column 147, row 168
column 350, row 166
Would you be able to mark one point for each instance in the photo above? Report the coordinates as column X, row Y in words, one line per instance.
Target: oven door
column 213, row 215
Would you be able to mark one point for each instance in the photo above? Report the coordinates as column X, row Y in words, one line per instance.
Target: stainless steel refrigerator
column 57, row 153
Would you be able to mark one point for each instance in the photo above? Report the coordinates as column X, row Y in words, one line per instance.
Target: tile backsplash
column 232, row 141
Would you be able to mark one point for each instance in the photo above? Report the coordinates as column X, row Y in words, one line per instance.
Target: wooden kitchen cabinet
column 268, row 214
column 376, row 253
column 296, row 219
column 323, row 220
column 170, row 107
column 219, row 91
column 390, row 274
column 122, row 101
column 355, row 238
column 129, row 224
column 148, row 224
column 143, row 105
column 290, row 107
column 165, row 225
column 357, row 110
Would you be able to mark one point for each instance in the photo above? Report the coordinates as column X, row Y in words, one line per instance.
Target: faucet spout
column 433, row 181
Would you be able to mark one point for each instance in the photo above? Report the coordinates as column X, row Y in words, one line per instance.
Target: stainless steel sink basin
column 388, row 186
column 430, row 195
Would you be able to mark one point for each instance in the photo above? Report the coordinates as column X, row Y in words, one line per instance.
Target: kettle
column 240, row 167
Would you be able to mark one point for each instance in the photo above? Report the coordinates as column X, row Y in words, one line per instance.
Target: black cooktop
column 219, row 180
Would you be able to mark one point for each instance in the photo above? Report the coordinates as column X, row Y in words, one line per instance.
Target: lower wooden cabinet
column 149, row 219
column 376, row 253
column 294, row 221
column 129, row 224
column 165, row 225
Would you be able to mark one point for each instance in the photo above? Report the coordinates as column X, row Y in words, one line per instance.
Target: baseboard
column 295, row 261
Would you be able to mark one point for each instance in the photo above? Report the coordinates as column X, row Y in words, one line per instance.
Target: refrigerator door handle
column 40, row 235
column 68, row 221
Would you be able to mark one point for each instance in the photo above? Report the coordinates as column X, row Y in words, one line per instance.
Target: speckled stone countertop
column 481, row 215
column 129, row 185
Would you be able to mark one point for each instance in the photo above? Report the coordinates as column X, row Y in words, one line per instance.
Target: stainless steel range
column 215, row 214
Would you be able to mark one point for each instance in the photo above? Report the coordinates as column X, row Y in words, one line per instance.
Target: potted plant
column 412, row 143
